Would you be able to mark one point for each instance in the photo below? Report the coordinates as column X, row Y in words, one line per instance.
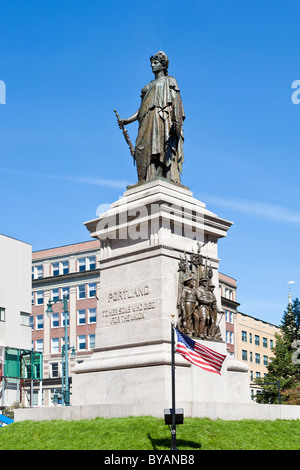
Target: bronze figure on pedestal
column 197, row 304
column 159, row 145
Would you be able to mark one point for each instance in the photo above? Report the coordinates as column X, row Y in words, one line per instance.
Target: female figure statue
column 159, row 144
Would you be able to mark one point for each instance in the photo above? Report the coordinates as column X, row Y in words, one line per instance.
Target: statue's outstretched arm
column 130, row 119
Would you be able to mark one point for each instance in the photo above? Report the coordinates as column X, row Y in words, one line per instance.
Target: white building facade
column 15, row 312
column 15, row 293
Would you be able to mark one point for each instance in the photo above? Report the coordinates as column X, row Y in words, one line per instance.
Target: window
column 92, row 262
column 92, row 289
column 37, row 271
column 55, row 294
column 81, row 342
column 55, row 320
column 251, row 356
column 244, row 336
column 2, row 314
column 228, row 293
column 39, row 322
column 257, row 375
column 92, row 317
column 40, row 297
column 265, row 342
column 60, row 267
column 81, row 264
column 265, row 359
column 65, row 267
column 91, row 341
column 86, row 263
column 81, row 317
column 229, row 316
column 250, row 338
column 54, row 370
column 244, row 355
column 81, row 292
column 229, row 337
column 257, row 340
column 55, row 269
column 39, row 345
column 31, row 321
column 257, row 358
column 271, row 343
column 25, row 319
column 54, row 345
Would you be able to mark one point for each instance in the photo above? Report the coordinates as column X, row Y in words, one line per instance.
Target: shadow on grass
column 158, row 444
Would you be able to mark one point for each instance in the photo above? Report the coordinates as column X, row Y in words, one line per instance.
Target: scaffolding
column 19, row 370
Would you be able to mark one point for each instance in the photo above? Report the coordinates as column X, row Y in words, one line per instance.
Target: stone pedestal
column 143, row 236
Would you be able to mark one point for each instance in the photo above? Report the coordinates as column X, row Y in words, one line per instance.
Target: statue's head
column 163, row 59
column 203, row 281
column 190, row 281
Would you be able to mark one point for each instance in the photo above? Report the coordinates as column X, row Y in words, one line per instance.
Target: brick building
column 67, row 270
column 228, row 287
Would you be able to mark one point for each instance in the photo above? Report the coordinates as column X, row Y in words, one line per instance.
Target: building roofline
column 258, row 319
column 64, row 246
column 14, row 238
column 230, row 277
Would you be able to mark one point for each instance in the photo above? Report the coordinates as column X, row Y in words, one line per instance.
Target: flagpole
column 173, row 428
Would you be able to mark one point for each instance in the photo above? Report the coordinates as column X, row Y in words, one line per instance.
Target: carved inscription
column 125, row 294
column 129, row 312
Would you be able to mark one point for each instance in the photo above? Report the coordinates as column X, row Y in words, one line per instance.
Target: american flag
column 199, row 354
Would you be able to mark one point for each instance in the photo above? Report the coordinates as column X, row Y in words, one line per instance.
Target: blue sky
column 66, row 66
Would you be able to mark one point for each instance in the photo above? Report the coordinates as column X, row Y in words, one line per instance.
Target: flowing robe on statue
column 159, row 144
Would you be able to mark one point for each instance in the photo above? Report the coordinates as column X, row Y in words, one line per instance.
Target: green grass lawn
column 147, row 433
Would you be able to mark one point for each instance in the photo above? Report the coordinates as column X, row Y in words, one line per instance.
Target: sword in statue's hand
column 125, row 133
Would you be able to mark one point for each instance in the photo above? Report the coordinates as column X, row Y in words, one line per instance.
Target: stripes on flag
column 199, row 354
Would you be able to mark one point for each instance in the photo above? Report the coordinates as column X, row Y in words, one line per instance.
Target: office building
column 71, row 270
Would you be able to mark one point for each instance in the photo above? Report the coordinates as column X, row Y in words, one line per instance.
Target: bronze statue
column 197, row 304
column 159, row 144
column 188, row 305
column 203, row 308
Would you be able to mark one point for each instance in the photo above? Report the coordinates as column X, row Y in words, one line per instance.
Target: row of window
column 58, row 319
column 256, row 357
column 257, row 340
column 84, row 291
column 257, row 376
column 62, row 267
column 84, row 343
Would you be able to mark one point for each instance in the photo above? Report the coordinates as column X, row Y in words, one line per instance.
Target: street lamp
column 64, row 350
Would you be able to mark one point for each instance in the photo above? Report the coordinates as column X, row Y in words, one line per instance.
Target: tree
column 290, row 322
column 281, row 366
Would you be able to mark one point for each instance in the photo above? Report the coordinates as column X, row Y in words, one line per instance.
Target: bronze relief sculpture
column 159, row 145
column 196, row 304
